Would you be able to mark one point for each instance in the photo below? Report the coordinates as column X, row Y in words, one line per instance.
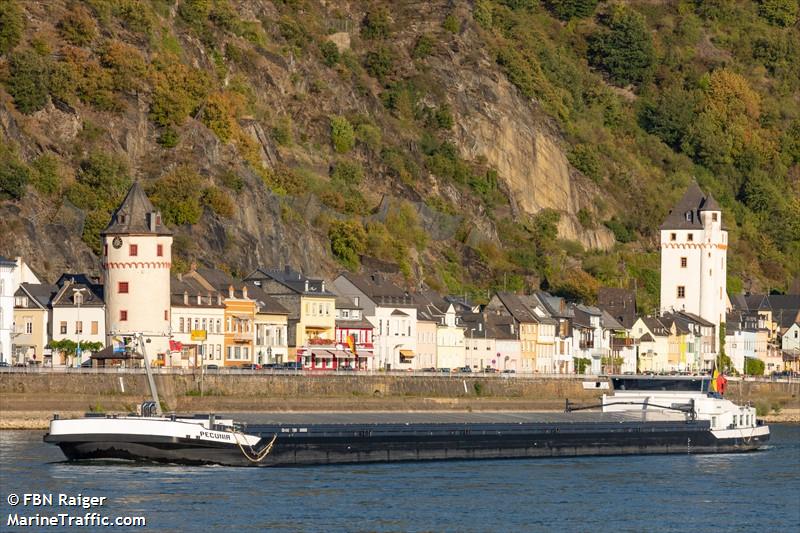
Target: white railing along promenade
column 323, row 373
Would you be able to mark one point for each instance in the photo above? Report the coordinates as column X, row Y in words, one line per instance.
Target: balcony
column 618, row 343
column 586, row 344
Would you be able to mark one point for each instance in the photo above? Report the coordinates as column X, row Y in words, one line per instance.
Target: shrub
column 128, row 67
column 375, row 25
column 219, row 201
column 348, row 241
column 232, row 180
column 282, row 132
column 423, row 47
column 343, row 137
column 14, row 177
column 482, row 13
column 27, row 82
column 168, row 138
column 347, row 173
column 624, row 47
column 669, row 115
column 569, row 9
column 178, row 91
column 753, row 366
column 220, row 112
column 779, row 12
column 370, row 136
column 622, row 233
column 195, row 12
column 584, row 157
column 585, row 219
column 46, row 177
column 12, row 24
column 451, row 23
column 178, row 195
column 78, row 26
column 102, row 180
column 330, row 53
column 379, row 63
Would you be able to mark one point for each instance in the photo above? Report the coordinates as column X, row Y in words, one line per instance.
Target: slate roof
column 515, row 307
column 190, row 286
column 264, row 302
column 39, row 294
column 293, row 280
column 620, row 303
column 65, row 297
column 7, row 262
column 379, row 289
column 655, row 326
column 132, row 217
column 686, row 213
column 609, row 322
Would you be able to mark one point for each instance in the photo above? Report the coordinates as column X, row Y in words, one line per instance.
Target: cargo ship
column 642, row 415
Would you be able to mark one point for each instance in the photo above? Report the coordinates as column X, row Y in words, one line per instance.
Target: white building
column 198, row 315
column 7, row 289
column 653, row 343
column 79, row 314
column 790, row 340
column 137, row 256
column 694, row 258
column 391, row 311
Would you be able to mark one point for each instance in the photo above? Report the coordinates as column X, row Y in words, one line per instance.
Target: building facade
column 694, row 258
column 197, row 330
column 32, row 323
column 78, row 314
column 7, row 290
column 137, row 257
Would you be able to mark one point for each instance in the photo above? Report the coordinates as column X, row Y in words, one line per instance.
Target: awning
column 341, row 354
column 108, row 353
column 407, row 354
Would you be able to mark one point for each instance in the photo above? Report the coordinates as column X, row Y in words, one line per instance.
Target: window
column 63, row 328
column 355, row 301
column 681, row 291
column 683, row 262
column 166, row 314
column 180, row 325
column 690, row 237
column 95, row 327
column 160, row 250
column 28, row 325
column 204, row 323
column 122, row 287
column 105, row 250
column 79, row 326
column 673, row 236
column 219, row 325
column 133, row 250
column 123, row 315
column 713, row 217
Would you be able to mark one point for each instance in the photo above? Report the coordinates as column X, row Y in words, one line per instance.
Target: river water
column 738, row 492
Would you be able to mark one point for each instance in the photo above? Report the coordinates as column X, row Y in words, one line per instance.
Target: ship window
column 713, row 421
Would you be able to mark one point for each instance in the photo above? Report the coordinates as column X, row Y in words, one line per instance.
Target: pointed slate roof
column 686, row 213
column 132, row 217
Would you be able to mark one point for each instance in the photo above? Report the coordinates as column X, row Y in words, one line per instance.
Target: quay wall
column 80, row 392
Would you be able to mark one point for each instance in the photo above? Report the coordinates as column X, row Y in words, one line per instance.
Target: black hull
column 327, row 445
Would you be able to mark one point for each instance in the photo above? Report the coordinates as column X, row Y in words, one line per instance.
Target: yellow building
column 311, row 307
column 240, row 316
column 31, row 322
column 525, row 322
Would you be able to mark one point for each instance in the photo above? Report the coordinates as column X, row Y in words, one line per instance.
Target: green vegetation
column 178, row 194
column 348, row 242
column 28, row 80
column 343, row 137
column 623, row 47
column 78, row 26
column 12, row 24
column 569, row 9
column 753, row 366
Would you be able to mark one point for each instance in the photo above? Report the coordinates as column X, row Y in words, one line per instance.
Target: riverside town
column 277, row 318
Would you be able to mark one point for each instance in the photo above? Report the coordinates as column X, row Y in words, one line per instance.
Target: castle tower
column 694, row 257
column 137, row 256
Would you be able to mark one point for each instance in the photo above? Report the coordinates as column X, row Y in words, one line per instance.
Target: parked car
column 346, row 369
column 465, row 370
column 509, row 371
column 292, row 366
column 270, row 366
column 491, row 370
column 444, row 370
column 4, row 364
column 251, row 366
column 212, row 367
column 429, row 369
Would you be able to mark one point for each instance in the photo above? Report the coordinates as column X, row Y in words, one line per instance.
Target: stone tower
column 694, row 257
column 137, row 256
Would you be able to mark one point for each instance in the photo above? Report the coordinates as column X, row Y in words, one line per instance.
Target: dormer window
column 713, row 217
column 689, row 216
column 77, row 298
column 121, row 219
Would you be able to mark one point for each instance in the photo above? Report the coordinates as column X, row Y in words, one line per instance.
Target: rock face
column 495, row 122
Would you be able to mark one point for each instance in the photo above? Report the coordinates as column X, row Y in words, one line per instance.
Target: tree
column 623, row 47
column 178, row 195
column 753, row 366
column 28, row 80
column 375, row 25
column 12, row 24
column 66, row 348
column 379, row 63
column 570, row 9
column 670, row 114
column 779, row 12
column 343, row 137
column 348, row 241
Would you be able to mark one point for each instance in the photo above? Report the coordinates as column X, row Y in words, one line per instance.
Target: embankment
column 28, row 400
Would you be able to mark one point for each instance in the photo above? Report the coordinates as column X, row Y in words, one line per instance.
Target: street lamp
column 77, row 297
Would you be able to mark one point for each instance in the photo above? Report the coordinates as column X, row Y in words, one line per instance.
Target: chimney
column 185, row 298
column 151, row 219
column 199, row 299
column 230, row 291
column 219, row 299
column 306, row 286
column 244, row 291
column 323, row 286
column 180, row 276
column 480, row 326
column 287, row 270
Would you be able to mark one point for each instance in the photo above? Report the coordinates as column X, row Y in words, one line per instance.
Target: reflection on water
column 733, row 492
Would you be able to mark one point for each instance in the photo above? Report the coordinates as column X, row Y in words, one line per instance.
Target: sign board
column 198, row 334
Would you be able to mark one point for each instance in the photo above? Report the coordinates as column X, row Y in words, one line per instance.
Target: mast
column 150, row 380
